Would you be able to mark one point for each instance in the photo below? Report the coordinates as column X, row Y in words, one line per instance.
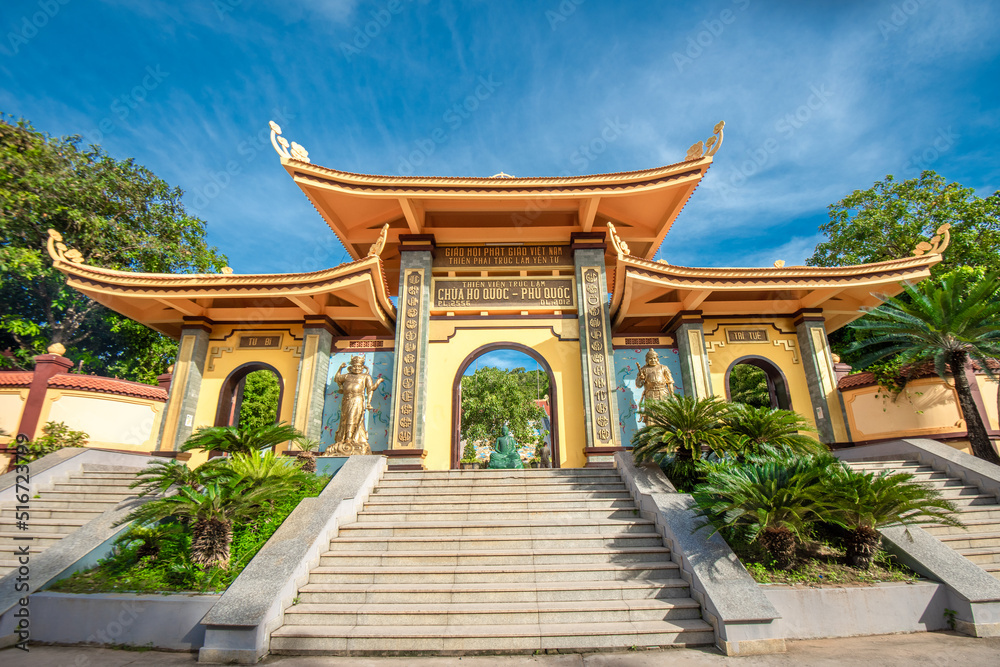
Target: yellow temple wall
column 988, row 390
column 224, row 356
column 781, row 349
column 109, row 420
column 12, row 400
column 452, row 341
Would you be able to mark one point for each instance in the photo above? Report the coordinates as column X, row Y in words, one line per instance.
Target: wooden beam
column 694, row 299
column 414, row 214
column 587, row 213
column 306, row 303
column 817, row 297
column 183, row 306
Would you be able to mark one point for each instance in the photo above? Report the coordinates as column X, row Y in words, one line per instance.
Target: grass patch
column 157, row 560
column 821, row 561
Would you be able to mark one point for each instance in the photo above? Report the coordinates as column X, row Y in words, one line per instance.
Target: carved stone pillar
column 185, row 386
column 599, row 405
column 314, row 366
column 820, row 377
column 410, row 381
column 687, row 330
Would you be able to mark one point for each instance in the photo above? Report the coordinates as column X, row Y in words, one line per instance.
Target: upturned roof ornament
column 292, row 151
column 379, row 244
column 937, row 245
column 620, row 246
column 58, row 250
column 709, row 147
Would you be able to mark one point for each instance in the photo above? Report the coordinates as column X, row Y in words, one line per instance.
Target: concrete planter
column 889, row 608
column 159, row 621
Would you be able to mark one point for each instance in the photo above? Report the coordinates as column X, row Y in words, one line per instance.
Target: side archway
column 777, row 384
column 231, row 394
column 456, row 401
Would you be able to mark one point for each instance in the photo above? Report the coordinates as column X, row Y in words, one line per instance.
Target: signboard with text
column 503, row 293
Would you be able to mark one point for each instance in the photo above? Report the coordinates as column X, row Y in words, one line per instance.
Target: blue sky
column 819, row 98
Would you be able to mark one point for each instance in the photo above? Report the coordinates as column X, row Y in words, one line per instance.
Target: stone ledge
column 239, row 626
column 742, row 616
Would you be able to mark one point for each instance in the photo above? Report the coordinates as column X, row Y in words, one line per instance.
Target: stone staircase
column 979, row 511
column 498, row 561
column 58, row 509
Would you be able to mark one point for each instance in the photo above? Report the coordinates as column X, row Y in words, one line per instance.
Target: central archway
column 231, row 396
column 456, row 401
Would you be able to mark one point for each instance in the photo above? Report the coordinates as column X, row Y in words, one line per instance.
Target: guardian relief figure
column 654, row 379
column 357, row 388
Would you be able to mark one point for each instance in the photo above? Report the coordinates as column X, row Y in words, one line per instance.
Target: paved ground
column 935, row 648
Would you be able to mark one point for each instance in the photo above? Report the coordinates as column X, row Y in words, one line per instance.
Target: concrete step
column 978, row 499
column 36, row 512
column 566, row 591
column 473, row 542
column 90, row 489
column 981, row 556
column 984, row 512
column 500, row 527
column 974, row 526
column 44, row 502
column 114, row 479
column 474, row 505
column 379, row 515
column 505, row 495
column 399, row 558
column 312, row 639
column 37, row 526
column 661, row 569
column 9, row 543
column 492, row 613
column 515, row 484
column 79, row 496
column 897, row 463
column 527, row 473
column 972, row 540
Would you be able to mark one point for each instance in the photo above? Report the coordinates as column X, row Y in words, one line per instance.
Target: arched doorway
column 758, row 382
column 456, row 403
column 233, row 390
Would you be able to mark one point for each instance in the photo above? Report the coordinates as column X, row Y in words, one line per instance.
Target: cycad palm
column 772, row 499
column 863, row 502
column 210, row 512
column 680, row 426
column 236, row 440
column 948, row 322
column 762, row 427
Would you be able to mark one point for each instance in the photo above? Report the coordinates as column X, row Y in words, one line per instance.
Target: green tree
column 119, row 215
column 492, row 397
column 946, row 322
column 260, row 400
column 748, row 385
column 889, row 219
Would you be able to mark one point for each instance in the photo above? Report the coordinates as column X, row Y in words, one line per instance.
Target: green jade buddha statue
column 505, row 452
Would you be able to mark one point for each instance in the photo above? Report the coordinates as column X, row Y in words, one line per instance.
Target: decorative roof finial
column 620, row 246
column 709, row 147
column 292, row 151
column 502, row 175
column 376, row 248
column 937, row 244
column 58, row 251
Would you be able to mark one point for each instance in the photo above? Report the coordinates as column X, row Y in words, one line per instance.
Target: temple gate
column 561, row 268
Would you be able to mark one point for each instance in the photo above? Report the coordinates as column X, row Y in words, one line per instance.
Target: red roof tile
column 107, row 386
column 16, row 378
column 927, row 370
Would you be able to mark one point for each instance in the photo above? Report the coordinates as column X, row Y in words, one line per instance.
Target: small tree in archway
column 748, row 385
column 492, row 397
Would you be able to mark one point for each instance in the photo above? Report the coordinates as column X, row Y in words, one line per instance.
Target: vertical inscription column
column 314, row 366
column 687, row 330
column 811, row 332
column 600, row 411
column 185, row 387
column 409, row 403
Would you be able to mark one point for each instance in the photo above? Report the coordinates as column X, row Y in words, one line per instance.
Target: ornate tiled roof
column 15, row 378
column 104, row 385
